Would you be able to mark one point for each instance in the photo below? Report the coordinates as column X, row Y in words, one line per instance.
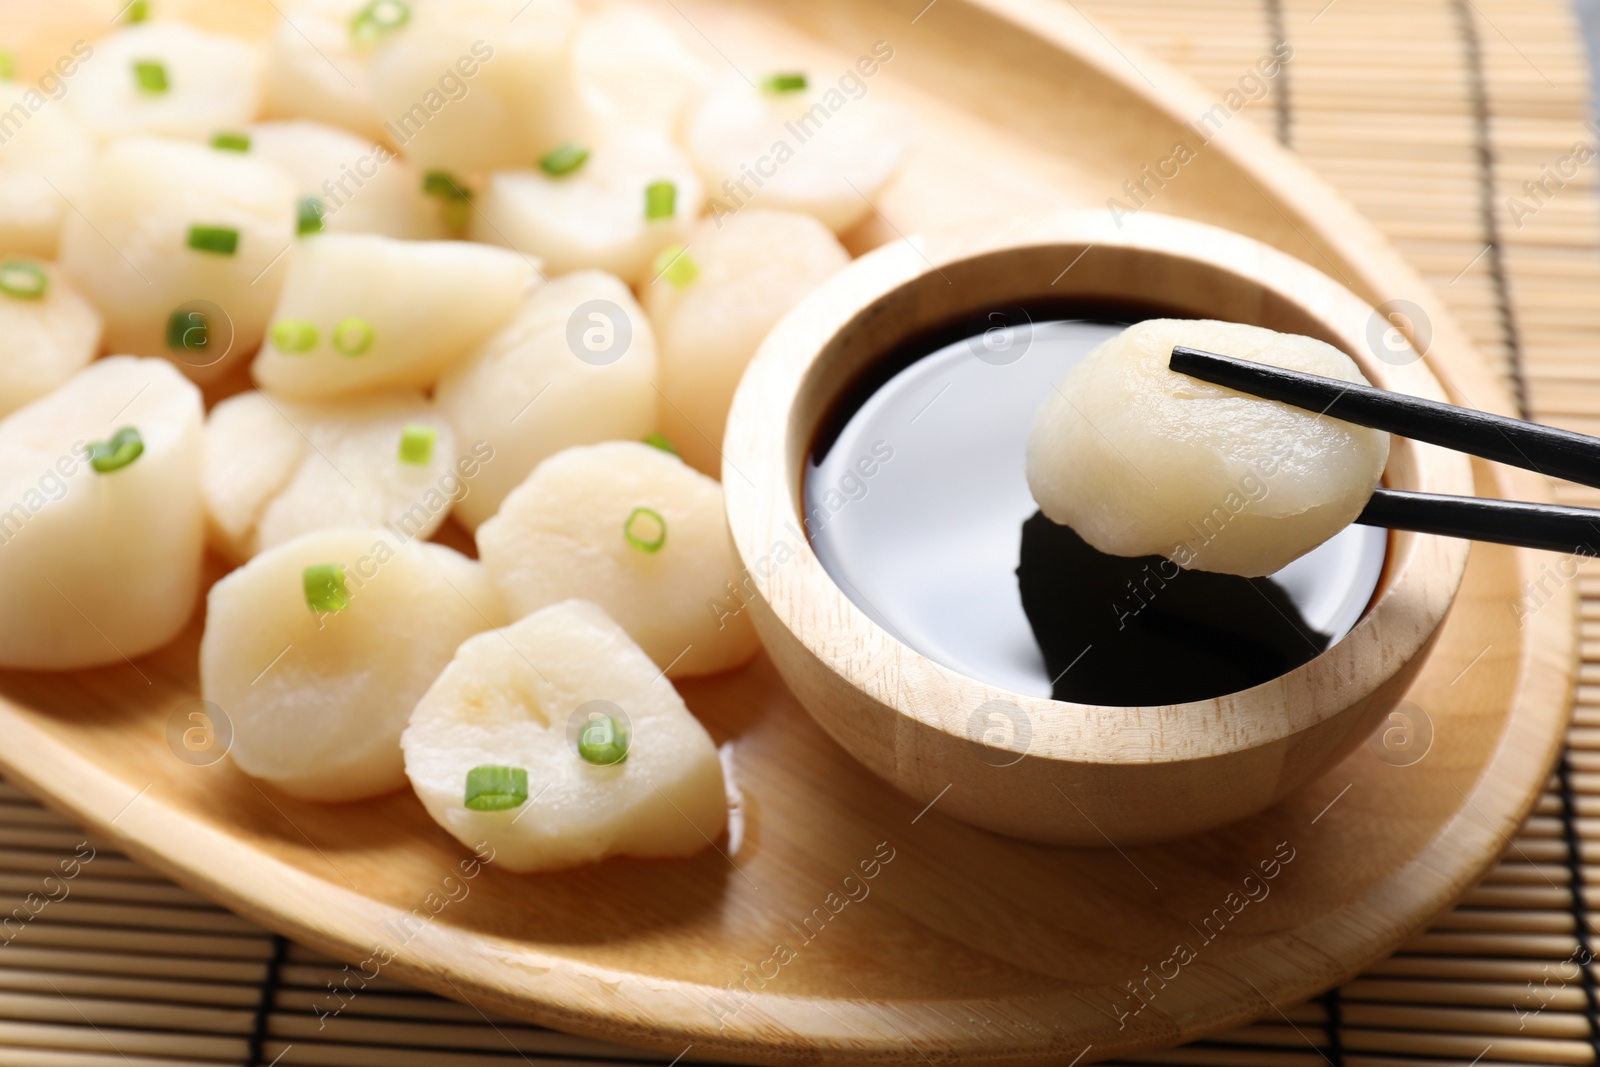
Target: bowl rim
column 764, row 455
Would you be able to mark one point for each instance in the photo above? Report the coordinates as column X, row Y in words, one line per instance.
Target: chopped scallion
column 324, row 588
column 676, row 267
column 139, row 10
column 660, row 200
column 786, row 82
column 231, row 141
column 354, row 337
column 416, row 444
column 645, row 530
column 441, row 184
column 218, row 240
column 188, row 331
column 560, row 162
column 496, row 788
column 22, row 280
column 121, row 449
column 457, row 197
column 151, row 76
column 309, row 214
column 379, row 19
column 294, row 336
column 660, row 441
column 8, row 66
column 602, row 741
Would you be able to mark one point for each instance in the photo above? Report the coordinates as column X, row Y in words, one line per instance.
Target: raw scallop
column 715, row 303
column 317, row 697
column 317, row 69
column 45, row 159
column 275, row 470
column 509, row 700
column 479, row 85
column 577, row 366
column 360, row 187
column 167, row 79
column 133, row 248
column 365, row 311
column 816, row 149
column 1141, row 460
column 100, row 566
column 44, row 339
column 633, row 70
column 638, row 532
column 594, row 217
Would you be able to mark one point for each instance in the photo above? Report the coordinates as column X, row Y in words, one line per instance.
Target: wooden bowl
column 1130, row 774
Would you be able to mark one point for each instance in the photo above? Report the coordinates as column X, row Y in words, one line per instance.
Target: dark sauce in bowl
column 917, row 504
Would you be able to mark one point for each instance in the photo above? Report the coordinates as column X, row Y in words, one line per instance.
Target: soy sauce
column 918, row 506
column 1170, row 635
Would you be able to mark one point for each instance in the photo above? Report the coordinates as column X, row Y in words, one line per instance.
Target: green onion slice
column 294, row 336
column 786, row 82
column 442, row 184
column 645, row 530
column 324, row 588
column 121, row 449
column 139, row 10
column 496, row 788
column 379, row 19
column 22, row 280
column 188, row 331
column 309, row 213
column 676, row 267
column 660, row 441
column 660, row 200
column 457, row 197
column 602, row 741
column 354, row 337
column 218, row 240
column 8, row 66
column 231, row 141
column 560, row 162
column 416, row 444
column 150, row 75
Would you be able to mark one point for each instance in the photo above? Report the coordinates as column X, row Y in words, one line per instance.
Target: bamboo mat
column 1429, row 115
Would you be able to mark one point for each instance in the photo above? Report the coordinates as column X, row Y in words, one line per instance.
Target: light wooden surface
column 968, row 943
column 1071, row 774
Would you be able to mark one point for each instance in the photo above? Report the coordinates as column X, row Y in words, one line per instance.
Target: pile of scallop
column 297, row 283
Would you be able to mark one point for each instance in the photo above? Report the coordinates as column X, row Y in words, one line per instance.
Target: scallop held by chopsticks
column 1141, row 460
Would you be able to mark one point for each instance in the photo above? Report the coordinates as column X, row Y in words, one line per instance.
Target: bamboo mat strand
column 1282, row 108
column 1579, row 902
column 1429, row 115
column 261, row 1023
column 1489, row 208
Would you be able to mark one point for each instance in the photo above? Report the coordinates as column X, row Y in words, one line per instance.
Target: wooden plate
column 850, row 926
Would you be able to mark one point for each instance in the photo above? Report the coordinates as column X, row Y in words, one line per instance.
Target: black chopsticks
column 1505, row 522
column 1545, row 449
